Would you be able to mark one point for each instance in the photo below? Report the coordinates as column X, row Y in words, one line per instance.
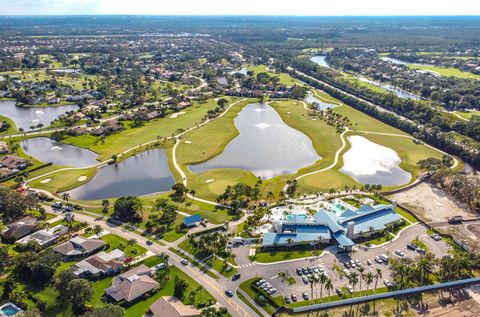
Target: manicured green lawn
column 356, row 81
column 115, row 242
column 284, row 79
column 285, row 253
column 12, row 129
column 445, row 71
column 64, row 180
column 172, row 235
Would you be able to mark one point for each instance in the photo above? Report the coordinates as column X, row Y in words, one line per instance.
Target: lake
column 25, row 117
column 58, row 153
column 371, row 163
column 397, row 91
column 266, row 146
column 142, row 174
column 310, row 98
column 320, row 60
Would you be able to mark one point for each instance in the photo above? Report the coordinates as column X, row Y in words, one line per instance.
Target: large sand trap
column 209, row 180
column 176, row 114
column 45, row 181
column 82, row 178
column 430, row 203
column 188, row 142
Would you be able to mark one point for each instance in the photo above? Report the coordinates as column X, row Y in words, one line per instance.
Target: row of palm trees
column 354, row 278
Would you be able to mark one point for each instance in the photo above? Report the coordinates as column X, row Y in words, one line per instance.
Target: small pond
column 310, row 98
column 266, row 146
column 370, row 163
column 320, row 60
column 142, row 174
column 58, row 153
column 26, row 117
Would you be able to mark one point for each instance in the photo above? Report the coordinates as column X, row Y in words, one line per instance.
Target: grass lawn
column 12, row 129
column 115, row 242
column 194, row 262
column 249, row 304
column 332, row 298
column 444, row 71
column 357, row 82
column 468, row 114
column 172, row 235
column 284, row 79
column 64, row 180
column 285, row 253
column 131, row 137
column 221, row 266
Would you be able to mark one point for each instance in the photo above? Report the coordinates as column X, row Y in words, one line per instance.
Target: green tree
column 128, row 208
column 109, row 310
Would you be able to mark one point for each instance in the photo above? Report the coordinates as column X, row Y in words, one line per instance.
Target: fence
column 394, row 294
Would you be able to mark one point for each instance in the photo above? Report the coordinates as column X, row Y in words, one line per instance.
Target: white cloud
column 244, row 7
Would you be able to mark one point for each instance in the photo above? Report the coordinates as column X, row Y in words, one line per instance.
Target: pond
column 58, row 153
column 370, row 163
column 266, row 146
column 310, row 98
column 397, row 91
column 26, row 117
column 320, row 60
column 142, row 174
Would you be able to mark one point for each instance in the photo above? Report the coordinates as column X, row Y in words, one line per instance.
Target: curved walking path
column 337, row 156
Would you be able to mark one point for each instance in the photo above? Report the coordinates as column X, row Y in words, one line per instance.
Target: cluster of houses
column 9, row 164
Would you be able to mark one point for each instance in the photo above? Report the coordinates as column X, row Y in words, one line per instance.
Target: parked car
column 184, row 261
column 294, row 297
column 412, row 246
column 299, row 272
column 229, row 293
column 421, row 251
column 358, row 263
column 57, row 205
column 347, row 265
column 378, row 260
column 305, row 279
column 387, row 283
column 339, row 291
column 287, row 300
column 260, row 282
column 305, row 296
column 346, row 272
column 384, row 258
column 272, row 291
column 369, row 262
column 436, row 237
column 399, row 253
column 349, row 289
column 455, row 220
column 160, row 266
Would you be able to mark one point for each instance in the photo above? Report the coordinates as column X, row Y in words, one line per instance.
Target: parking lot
column 331, row 262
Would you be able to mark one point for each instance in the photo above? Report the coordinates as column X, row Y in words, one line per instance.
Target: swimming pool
column 9, row 309
column 293, row 217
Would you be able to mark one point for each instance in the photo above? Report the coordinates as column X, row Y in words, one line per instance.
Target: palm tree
column 323, row 280
column 425, row 267
column 65, row 196
column 97, row 229
column 328, row 287
column 106, row 205
column 131, row 242
column 192, row 193
column 378, row 275
column 368, row 279
column 353, row 279
column 361, row 270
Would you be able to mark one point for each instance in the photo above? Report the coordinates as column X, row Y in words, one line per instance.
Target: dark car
column 287, row 300
column 149, row 242
column 294, row 297
column 305, row 296
column 235, row 277
column 339, row 291
column 299, row 272
column 229, row 293
column 412, row 246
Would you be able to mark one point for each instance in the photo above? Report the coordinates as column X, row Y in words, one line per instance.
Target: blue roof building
column 192, row 221
column 327, row 226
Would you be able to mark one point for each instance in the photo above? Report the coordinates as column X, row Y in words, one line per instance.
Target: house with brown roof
column 102, row 263
column 170, row 306
column 132, row 284
column 79, row 247
column 13, row 162
column 3, row 147
column 5, row 172
column 20, row 228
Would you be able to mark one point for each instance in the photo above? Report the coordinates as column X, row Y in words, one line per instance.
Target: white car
column 399, row 253
column 387, row 283
column 184, row 261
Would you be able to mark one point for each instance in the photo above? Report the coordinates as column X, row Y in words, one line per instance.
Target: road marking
column 274, row 277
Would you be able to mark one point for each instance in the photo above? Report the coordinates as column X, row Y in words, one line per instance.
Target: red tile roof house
column 20, row 228
column 132, row 285
column 78, row 248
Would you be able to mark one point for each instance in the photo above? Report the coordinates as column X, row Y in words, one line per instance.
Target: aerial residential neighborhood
column 217, row 159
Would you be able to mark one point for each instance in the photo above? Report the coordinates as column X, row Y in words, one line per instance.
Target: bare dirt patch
column 430, row 204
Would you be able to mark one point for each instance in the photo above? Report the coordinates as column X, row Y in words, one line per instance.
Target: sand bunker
column 209, row 180
column 188, row 142
column 45, row 181
column 176, row 114
column 82, row 178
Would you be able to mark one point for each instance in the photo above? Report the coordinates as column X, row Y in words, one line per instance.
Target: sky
column 241, row 7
